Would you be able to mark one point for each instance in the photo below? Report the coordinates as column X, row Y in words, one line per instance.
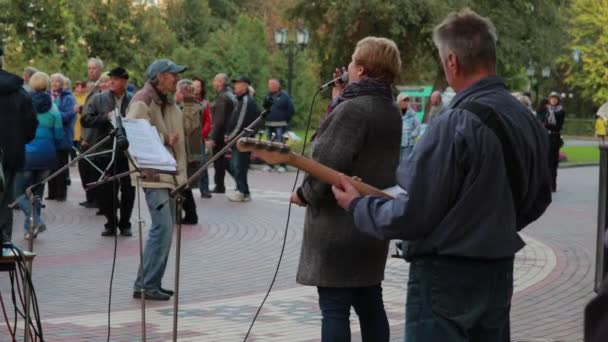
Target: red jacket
column 206, row 119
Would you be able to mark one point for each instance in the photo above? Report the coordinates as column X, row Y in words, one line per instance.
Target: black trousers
column 220, row 166
column 88, row 174
column 58, row 189
column 108, row 196
column 555, row 143
column 189, row 206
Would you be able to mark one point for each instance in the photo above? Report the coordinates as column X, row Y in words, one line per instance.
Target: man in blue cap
column 18, row 127
column 153, row 104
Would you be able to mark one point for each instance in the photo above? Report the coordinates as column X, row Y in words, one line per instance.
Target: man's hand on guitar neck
column 346, row 192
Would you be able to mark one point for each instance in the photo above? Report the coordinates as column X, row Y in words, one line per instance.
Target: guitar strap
column 492, row 120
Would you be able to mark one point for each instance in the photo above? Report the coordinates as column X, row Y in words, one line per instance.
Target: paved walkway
column 229, row 258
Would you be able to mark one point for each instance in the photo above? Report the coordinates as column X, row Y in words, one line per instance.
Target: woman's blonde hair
column 379, row 57
column 40, row 81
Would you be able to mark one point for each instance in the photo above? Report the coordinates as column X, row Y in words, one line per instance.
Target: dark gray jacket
column 458, row 200
column 220, row 115
column 95, row 115
column 360, row 137
column 245, row 112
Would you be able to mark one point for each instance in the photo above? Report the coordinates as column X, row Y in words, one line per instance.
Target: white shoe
column 281, row 169
column 239, row 197
column 267, row 168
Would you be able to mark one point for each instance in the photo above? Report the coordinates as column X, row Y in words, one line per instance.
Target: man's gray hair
column 185, row 83
column 97, row 62
column 224, row 77
column 60, row 77
column 471, row 37
column 29, row 71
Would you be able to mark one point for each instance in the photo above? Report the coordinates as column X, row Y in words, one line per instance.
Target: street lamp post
column 531, row 72
column 292, row 48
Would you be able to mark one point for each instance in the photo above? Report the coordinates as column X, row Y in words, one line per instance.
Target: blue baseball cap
column 163, row 65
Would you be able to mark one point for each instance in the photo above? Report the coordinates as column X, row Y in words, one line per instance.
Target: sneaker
column 239, row 197
column 267, row 168
column 281, row 169
column 27, row 236
column 205, row 194
column 39, row 229
column 152, row 295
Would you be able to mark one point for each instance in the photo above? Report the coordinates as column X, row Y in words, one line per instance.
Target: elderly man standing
column 221, row 111
column 279, row 117
column 245, row 113
column 27, row 73
column 153, row 104
column 436, row 105
column 463, row 237
column 88, row 174
column 98, row 117
column 18, row 127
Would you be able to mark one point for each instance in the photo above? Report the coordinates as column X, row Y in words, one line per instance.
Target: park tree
column 589, row 32
column 528, row 31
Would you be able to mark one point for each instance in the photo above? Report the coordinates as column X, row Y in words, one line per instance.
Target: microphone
column 122, row 143
column 343, row 79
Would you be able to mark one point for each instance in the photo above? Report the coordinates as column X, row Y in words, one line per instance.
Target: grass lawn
column 582, row 154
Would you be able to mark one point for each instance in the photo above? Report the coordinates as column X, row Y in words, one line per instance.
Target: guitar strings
column 293, row 188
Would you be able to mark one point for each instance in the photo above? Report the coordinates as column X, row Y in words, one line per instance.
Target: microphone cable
column 295, row 184
column 115, row 226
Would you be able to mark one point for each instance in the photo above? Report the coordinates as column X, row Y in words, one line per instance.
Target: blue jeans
column 239, row 167
column 278, row 135
column 458, row 300
column 158, row 244
column 23, row 180
column 6, row 198
column 335, row 304
column 203, row 182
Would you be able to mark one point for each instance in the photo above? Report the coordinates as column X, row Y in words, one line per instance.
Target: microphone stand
column 34, row 201
column 176, row 193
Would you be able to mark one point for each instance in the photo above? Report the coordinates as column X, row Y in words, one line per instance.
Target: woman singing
column 360, row 137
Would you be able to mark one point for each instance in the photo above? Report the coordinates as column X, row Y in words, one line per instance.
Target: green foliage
column 579, row 127
column 528, row 31
column 589, row 31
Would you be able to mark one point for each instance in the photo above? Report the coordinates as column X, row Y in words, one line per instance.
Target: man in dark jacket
column 279, row 117
column 221, row 110
column 244, row 114
column 17, row 127
column 98, row 116
column 463, row 237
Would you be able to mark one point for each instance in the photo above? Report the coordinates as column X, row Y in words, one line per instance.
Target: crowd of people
column 47, row 121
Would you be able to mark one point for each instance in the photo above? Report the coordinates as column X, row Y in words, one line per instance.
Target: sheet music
column 146, row 147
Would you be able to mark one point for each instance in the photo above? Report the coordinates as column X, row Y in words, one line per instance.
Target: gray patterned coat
column 361, row 137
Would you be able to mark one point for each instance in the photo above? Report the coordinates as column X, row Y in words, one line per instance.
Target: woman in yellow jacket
column 600, row 128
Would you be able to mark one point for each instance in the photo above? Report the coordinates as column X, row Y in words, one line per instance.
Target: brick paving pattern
column 229, row 258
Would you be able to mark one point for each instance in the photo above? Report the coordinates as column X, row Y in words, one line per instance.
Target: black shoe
column 190, row 220
column 167, row 292
column 88, row 205
column 108, row 232
column 218, row 190
column 49, row 198
column 152, row 295
column 126, row 232
column 205, row 195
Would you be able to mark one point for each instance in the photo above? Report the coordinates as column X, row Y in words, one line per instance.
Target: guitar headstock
column 270, row 152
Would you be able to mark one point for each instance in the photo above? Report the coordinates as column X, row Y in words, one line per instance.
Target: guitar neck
column 331, row 176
